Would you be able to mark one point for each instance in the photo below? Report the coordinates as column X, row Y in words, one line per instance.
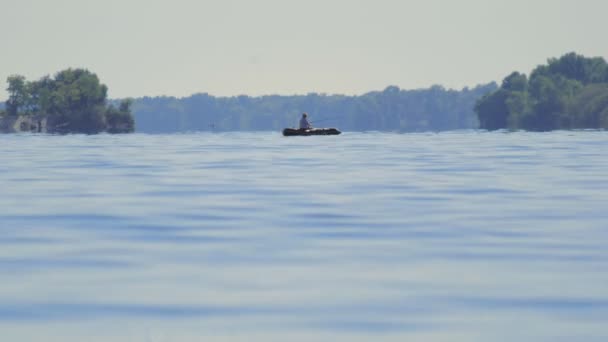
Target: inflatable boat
column 288, row 132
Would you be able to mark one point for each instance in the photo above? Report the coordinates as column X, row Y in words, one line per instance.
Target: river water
column 456, row 236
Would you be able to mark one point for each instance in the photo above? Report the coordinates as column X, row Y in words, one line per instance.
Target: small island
column 570, row 92
column 73, row 101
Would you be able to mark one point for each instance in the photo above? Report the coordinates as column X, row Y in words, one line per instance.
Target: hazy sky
column 254, row 47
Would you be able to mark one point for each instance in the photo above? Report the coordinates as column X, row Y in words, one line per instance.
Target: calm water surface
column 459, row 236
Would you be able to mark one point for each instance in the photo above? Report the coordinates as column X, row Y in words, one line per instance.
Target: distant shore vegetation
column 570, row 92
column 73, row 101
column 392, row 109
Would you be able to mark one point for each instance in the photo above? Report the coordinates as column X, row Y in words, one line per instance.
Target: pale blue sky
column 232, row 47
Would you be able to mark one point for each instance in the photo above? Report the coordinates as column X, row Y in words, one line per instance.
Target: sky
column 260, row 47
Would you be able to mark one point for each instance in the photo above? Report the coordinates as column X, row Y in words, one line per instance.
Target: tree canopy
column 392, row 109
column 567, row 93
column 74, row 101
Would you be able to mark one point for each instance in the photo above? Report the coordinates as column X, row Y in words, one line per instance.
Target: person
column 304, row 124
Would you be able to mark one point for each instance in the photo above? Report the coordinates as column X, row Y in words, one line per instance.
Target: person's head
column 304, row 115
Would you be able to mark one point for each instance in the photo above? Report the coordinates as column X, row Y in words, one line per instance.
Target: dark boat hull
column 288, row 132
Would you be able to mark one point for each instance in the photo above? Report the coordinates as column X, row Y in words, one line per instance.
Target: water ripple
column 427, row 236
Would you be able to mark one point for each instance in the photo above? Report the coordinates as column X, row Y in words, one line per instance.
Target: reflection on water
column 252, row 236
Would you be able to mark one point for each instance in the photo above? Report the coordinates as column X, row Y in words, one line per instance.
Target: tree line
column 392, row 109
column 570, row 92
column 73, row 101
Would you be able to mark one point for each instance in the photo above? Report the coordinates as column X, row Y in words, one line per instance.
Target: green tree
column 515, row 82
column 580, row 68
column 553, row 97
column 493, row 111
column 78, row 102
column 120, row 120
column 125, row 106
column 505, row 107
column 18, row 96
column 590, row 107
column 74, row 101
column 519, row 107
column 40, row 94
column 551, row 102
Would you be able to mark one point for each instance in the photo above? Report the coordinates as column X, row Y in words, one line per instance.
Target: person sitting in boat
column 304, row 124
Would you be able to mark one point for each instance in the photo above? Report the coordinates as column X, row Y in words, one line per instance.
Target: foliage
column 18, row 94
column 120, row 119
column 590, row 107
column 74, row 101
column 569, row 92
column 390, row 110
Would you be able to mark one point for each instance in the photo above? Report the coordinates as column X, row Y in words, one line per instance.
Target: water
column 458, row 236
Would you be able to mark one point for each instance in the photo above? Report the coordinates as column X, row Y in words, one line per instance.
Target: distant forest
column 570, row 92
column 393, row 109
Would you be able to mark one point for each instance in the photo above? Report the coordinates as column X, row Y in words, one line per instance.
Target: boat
column 288, row 132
